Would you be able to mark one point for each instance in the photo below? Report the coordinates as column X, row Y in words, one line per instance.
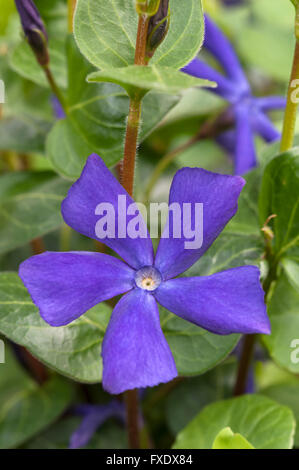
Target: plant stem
column 140, row 50
column 133, row 419
column 71, row 10
column 38, row 246
column 291, row 107
column 55, row 88
column 128, row 169
column 249, row 340
column 133, row 122
column 127, row 179
column 244, row 364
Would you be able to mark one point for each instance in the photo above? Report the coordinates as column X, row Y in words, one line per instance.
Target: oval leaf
column 26, row 408
column 106, row 30
column 73, row 350
column 263, row 422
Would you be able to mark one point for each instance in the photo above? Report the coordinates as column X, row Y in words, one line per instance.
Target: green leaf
column 106, row 31
column 145, row 78
column 24, row 62
column 195, row 350
column 96, row 120
column 110, row 436
column 26, row 408
column 226, row 439
column 194, row 393
column 280, row 195
column 32, row 131
column 30, row 206
column 286, row 394
column 291, row 268
column 283, row 343
column 73, row 350
column 263, row 422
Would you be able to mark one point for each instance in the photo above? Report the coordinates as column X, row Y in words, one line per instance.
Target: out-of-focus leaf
column 25, row 407
column 29, row 206
column 73, row 350
column 287, row 394
column 23, row 61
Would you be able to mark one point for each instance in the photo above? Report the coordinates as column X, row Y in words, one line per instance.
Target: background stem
column 133, row 419
column 55, row 88
column 249, row 340
column 244, row 365
column 71, row 10
column 291, row 108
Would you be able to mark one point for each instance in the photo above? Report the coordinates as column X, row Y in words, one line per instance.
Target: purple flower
column 248, row 111
column 57, row 108
column 135, row 352
column 94, row 416
column 34, row 29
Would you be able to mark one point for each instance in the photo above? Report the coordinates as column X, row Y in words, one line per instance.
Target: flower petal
column 227, row 140
column 264, row 127
column 198, row 68
column 245, row 156
column 135, row 352
column 219, row 196
column 97, row 185
column 218, row 45
column 270, row 103
column 66, row 285
column 228, row 302
column 94, row 416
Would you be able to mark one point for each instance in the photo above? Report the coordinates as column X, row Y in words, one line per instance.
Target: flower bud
column 34, row 29
column 158, row 28
column 148, row 7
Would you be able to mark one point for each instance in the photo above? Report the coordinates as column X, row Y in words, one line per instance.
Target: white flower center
column 148, row 278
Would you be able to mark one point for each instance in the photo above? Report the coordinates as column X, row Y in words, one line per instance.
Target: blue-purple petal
column 227, row 302
column 97, row 185
column 66, row 285
column 271, row 103
column 264, row 127
column 198, row 68
column 245, row 155
column 220, row 47
column 94, row 416
column 219, row 196
column 135, row 352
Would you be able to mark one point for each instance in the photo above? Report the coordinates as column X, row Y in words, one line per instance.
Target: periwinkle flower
column 248, row 111
column 57, row 108
column 34, row 29
column 135, row 352
column 93, row 417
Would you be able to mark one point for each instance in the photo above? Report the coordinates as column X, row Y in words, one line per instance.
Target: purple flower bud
column 34, row 29
column 158, row 27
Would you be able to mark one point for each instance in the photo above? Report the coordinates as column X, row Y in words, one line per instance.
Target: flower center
column 148, row 278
